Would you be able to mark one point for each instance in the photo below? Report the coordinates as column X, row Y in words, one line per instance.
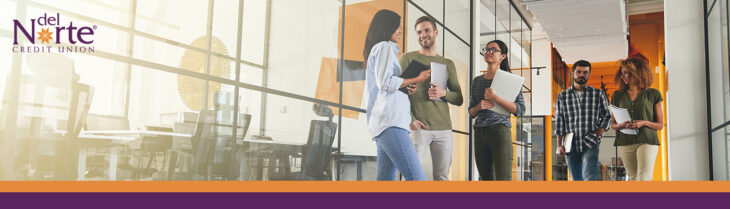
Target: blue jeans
column 583, row 166
column 396, row 150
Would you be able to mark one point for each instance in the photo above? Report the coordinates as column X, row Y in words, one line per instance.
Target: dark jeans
column 493, row 153
column 583, row 166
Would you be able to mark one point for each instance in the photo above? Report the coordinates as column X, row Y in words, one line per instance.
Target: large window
column 718, row 91
column 251, row 83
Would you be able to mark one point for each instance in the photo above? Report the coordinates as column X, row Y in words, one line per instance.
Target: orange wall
column 357, row 20
column 647, row 36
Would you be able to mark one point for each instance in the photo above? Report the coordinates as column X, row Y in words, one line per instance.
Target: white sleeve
column 384, row 77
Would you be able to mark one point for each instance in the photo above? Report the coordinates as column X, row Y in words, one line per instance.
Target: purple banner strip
column 362, row 200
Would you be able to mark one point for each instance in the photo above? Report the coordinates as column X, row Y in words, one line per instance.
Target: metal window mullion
column 239, row 36
column 471, row 75
column 130, row 53
column 438, row 22
column 265, row 73
column 341, row 79
column 707, row 91
column 209, row 37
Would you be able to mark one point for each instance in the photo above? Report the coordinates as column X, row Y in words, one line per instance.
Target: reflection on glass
column 718, row 53
column 182, row 23
column 433, row 7
column 224, row 14
column 458, row 52
column 155, row 122
column 719, row 83
column 295, row 142
column 303, row 51
column 115, row 13
column 457, row 17
column 254, row 30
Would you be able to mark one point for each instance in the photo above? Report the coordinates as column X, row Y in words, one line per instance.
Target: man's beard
column 581, row 81
column 426, row 46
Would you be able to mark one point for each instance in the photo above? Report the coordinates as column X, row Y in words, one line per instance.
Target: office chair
column 150, row 149
column 214, row 144
column 318, row 151
column 54, row 156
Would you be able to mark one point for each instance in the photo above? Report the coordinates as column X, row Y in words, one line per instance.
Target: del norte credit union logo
column 46, row 30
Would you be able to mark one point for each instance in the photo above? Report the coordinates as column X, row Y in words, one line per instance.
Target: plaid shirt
column 582, row 115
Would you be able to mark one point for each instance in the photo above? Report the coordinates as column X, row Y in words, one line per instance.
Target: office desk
column 355, row 158
column 112, row 139
column 260, row 150
column 135, row 133
column 87, row 141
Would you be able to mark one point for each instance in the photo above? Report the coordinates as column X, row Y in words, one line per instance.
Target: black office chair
column 151, row 149
column 203, row 143
column 317, row 153
column 214, row 144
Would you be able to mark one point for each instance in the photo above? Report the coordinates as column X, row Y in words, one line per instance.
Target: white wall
column 541, row 84
column 686, row 95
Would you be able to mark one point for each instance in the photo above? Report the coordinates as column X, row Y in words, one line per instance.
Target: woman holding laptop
column 492, row 139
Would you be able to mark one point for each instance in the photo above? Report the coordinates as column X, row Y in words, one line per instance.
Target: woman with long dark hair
column 638, row 151
column 493, row 138
column 388, row 111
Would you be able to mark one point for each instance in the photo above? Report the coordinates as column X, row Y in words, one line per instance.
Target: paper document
column 439, row 75
column 507, row 86
column 567, row 143
column 622, row 115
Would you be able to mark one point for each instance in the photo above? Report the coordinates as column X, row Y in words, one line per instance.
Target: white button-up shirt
column 387, row 107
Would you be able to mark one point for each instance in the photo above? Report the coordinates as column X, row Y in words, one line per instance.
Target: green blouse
column 642, row 108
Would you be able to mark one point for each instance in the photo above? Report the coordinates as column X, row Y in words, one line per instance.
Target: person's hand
column 624, row 125
column 485, row 104
column 417, row 124
column 638, row 124
column 490, row 95
column 599, row 133
column 436, row 92
column 561, row 150
column 423, row 75
column 411, row 89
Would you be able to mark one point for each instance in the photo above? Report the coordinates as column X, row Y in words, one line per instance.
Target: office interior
column 265, row 90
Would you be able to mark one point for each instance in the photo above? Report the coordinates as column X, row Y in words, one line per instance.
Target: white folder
column 567, row 143
column 439, row 75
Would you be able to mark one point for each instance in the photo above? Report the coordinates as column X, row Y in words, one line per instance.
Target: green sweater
column 434, row 114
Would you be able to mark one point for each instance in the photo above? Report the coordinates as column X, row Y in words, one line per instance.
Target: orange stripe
column 352, row 186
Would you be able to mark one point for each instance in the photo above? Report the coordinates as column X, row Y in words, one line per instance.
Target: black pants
column 493, row 153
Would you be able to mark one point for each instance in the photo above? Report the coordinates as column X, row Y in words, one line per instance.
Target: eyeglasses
column 489, row 50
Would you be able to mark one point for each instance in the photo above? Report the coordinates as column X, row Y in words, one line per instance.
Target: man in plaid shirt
column 583, row 111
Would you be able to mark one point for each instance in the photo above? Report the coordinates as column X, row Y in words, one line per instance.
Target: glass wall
column 230, row 90
column 452, row 42
column 500, row 20
column 718, row 93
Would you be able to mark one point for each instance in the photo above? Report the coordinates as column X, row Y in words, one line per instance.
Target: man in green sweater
column 431, row 122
